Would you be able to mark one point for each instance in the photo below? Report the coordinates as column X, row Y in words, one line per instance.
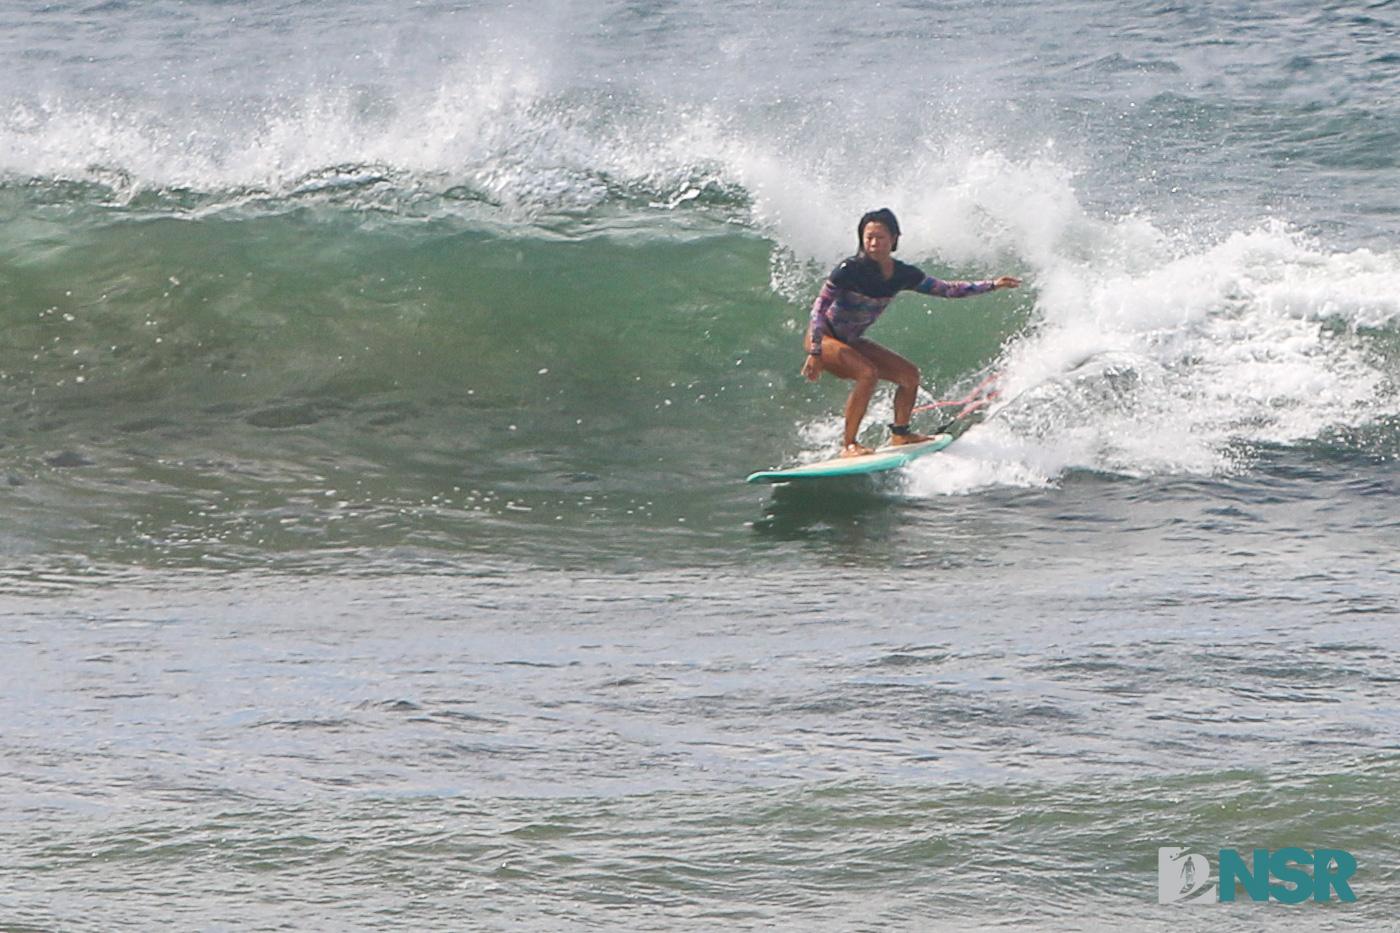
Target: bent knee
column 867, row 378
column 857, row 369
column 907, row 378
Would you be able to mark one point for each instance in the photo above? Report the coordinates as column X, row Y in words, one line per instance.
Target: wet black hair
column 883, row 216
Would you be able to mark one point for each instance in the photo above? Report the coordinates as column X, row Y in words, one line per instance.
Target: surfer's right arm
column 816, row 330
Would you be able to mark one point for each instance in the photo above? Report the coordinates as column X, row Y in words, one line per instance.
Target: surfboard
column 884, row 458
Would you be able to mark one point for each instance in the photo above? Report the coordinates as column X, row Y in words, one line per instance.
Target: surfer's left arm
column 942, row 289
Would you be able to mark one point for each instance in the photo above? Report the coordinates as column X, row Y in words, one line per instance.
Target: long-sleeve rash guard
column 856, row 293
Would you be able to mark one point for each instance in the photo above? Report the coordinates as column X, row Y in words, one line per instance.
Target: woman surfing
column 854, row 296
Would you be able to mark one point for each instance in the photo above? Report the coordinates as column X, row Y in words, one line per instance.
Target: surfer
column 855, row 294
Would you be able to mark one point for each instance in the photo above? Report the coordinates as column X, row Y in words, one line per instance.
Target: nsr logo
column 1186, row 877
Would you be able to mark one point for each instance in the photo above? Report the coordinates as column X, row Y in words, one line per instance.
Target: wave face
column 289, row 282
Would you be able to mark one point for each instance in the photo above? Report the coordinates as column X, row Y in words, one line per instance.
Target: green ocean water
column 515, row 749
column 213, row 390
column 836, row 856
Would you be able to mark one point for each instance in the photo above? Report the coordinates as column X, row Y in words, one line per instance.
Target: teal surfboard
column 885, row 458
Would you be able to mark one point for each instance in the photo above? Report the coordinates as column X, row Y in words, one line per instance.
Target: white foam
column 1175, row 367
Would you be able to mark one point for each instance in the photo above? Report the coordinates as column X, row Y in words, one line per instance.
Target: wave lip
column 1184, row 365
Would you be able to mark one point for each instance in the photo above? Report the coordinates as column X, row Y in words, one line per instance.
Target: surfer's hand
column 812, row 369
column 1007, row 281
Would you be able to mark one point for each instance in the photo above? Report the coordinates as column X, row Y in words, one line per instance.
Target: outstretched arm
column 932, row 286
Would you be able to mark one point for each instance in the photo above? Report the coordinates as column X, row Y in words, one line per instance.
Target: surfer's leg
column 905, row 375
column 843, row 362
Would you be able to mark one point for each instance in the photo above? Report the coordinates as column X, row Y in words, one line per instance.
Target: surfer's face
column 877, row 241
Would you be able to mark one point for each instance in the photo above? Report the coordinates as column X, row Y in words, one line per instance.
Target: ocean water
column 379, row 381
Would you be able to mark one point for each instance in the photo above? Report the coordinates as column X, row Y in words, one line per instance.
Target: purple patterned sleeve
column 932, row 286
column 817, row 326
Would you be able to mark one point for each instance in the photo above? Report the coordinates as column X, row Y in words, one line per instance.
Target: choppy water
column 378, row 383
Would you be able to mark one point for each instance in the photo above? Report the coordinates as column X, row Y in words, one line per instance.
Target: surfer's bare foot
column 899, row 440
column 855, row 450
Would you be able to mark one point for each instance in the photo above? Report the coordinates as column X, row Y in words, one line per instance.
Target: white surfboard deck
column 885, row 458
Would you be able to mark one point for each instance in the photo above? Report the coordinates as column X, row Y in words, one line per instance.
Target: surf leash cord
column 977, row 399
